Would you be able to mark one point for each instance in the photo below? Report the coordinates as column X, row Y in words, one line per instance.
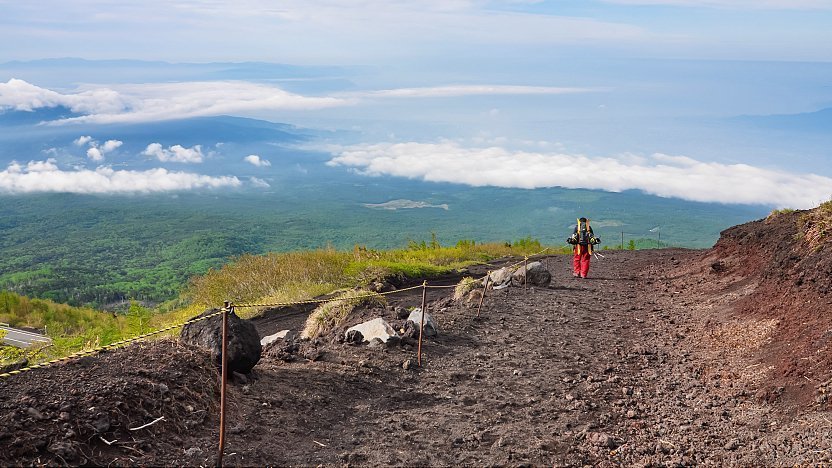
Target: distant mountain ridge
column 28, row 136
column 806, row 122
column 13, row 118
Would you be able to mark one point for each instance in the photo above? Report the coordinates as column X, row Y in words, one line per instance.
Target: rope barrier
column 321, row 301
column 134, row 339
column 229, row 307
column 527, row 257
column 113, row 345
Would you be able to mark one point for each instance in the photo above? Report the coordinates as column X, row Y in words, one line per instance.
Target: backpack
column 584, row 235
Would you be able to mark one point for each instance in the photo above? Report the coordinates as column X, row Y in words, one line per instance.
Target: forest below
column 103, row 251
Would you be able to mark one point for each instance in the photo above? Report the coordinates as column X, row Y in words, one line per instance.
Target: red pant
column 580, row 261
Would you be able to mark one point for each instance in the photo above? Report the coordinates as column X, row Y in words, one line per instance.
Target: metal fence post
column 223, row 379
column 422, row 322
column 484, row 289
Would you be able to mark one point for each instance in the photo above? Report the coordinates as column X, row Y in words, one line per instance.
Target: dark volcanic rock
column 244, row 347
column 354, row 337
column 534, row 274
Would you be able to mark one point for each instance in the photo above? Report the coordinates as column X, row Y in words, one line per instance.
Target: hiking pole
column 422, row 322
column 223, row 380
column 487, row 278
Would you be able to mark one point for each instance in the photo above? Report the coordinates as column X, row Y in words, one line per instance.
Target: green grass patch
column 778, row 212
column 71, row 328
column 295, row 276
column 815, row 226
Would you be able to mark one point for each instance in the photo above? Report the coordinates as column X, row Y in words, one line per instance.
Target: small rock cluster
column 532, row 274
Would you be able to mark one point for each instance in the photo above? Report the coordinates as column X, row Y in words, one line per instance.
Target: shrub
column 780, row 211
column 815, row 226
column 253, row 277
column 777, row 212
column 331, row 314
column 10, row 354
column 465, row 286
column 465, row 244
column 527, row 245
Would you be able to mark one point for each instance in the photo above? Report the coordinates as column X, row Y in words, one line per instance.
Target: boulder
column 473, row 297
column 376, row 328
column 381, row 286
column 354, row 336
column 401, row 312
column 272, row 338
column 535, row 274
column 244, row 348
column 416, row 317
column 499, row 277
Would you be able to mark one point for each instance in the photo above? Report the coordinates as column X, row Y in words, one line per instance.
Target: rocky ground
column 660, row 358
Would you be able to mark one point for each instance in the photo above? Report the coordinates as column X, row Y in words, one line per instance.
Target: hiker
column 582, row 239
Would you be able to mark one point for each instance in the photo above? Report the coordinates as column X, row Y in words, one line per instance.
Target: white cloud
column 165, row 101
column 111, row 145
column 659, row 174
column 14, row 168
column 35, row 166
column 365, row 31
column 95, row 154
column 45, row 176
column 160, row 101
column 259, row 183
column 82, row 140
column 472, row 90
column 331, row 31
column 19, row 95
column 95, row 151
column 256, row 160
column 175, row 153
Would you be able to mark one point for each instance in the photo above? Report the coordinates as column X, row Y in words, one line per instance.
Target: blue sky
column 676, row 90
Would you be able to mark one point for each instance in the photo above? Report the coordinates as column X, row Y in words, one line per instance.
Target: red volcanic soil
column 661, row 357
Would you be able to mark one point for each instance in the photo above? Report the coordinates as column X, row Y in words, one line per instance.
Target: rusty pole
column 223, row 379
column 422, row 321
column 484, row 289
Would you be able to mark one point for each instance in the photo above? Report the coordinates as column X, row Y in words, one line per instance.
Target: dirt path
column 604, row 371
column 596, row 371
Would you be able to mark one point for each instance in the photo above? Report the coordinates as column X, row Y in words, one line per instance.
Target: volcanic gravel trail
column 621, row 368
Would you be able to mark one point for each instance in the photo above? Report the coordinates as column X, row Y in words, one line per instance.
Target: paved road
column 23, row 339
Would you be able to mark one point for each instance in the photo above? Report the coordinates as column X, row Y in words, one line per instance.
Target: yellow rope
column 116, row 344
column 321, row 301
column 128, row 341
